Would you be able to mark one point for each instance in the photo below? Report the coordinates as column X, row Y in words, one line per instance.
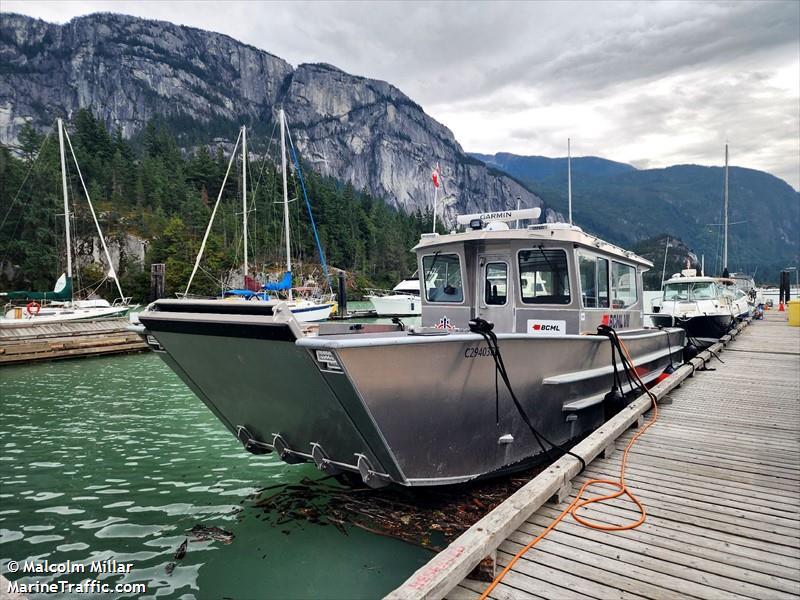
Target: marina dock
column 718, row 474
column 22, row 344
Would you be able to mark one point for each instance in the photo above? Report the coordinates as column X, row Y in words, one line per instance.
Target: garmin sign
column 501, row 215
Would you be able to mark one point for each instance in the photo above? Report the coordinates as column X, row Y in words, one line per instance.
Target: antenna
column 569, row 179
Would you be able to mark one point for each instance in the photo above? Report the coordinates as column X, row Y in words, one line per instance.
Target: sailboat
column 304, row 309
column 38, row 308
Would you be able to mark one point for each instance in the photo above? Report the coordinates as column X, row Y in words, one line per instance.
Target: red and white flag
column 435, row 176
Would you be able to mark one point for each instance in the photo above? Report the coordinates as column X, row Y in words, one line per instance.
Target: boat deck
column 719, row 476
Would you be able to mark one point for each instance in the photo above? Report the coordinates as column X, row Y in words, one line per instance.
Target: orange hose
column 577, row 503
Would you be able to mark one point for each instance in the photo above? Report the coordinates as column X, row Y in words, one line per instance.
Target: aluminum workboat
column 384, row 403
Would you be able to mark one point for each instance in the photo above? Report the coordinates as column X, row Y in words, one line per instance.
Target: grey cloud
column 466, row 57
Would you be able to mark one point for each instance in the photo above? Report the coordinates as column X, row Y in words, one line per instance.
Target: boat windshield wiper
column 549, row 264
column 433, row 264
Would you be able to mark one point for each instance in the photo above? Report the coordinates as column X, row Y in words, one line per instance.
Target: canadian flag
column 435, row 176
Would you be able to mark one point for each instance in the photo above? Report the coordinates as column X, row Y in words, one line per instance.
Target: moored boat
column 700, row 305
column 420, row 406
column 312, row 304
column 402, row 301
column 24, row 308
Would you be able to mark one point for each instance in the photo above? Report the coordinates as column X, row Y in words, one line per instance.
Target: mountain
column 678, row 257
column 542, row 168
column 685, row 201
column 130, row 71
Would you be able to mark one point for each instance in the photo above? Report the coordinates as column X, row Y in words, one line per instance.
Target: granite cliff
column 129, row 71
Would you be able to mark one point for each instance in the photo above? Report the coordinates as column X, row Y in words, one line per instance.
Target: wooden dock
column 719, row 476
column 67, row 340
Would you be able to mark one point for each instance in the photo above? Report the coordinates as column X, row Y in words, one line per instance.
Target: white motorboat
column 403, row 300
column 703, row 306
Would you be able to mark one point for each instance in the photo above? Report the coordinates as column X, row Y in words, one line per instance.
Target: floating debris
column 181, row 551
column 426, row 517
column 201, row 533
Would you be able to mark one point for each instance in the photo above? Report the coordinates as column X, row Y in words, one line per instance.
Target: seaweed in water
column 428, row 517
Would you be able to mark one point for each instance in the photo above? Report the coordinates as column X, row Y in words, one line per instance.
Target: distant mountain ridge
column 129, row 71
column 542, row 168
column 628, row 206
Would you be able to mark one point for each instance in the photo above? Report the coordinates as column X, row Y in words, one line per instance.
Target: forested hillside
column 148, row 190
column 627, row 206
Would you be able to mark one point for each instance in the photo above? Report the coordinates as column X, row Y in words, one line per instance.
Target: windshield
column 443, row 278
column 544, row 276
column 704, row 290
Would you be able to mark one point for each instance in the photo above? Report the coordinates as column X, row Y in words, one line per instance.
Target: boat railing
column 384, row 292
column 377, row 292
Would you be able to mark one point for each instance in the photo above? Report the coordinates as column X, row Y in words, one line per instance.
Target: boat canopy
column 62, row 291
column 284, row 284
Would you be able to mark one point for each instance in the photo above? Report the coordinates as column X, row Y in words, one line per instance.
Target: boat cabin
column 547, row 279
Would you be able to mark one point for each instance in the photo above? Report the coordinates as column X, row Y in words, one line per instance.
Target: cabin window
column 443, row 278
column 602, row 283
column 594, row 281
column 496, row 284
column 623, row 284
column 544, row 276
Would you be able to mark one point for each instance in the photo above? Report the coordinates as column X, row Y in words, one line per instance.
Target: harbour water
column 114, row 458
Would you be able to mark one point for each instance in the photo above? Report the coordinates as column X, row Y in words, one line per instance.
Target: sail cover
column 245, row 294
column 62, row 291
column 284, row 284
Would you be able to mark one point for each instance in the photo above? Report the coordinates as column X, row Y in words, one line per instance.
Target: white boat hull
column 396, row 305
column 63, row 315
column 310, row 312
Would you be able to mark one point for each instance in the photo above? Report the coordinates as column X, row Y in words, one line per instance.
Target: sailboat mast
column 282, row 117
column 244, row 200
column 725, row 242
column 569, row 179
column 66, row 201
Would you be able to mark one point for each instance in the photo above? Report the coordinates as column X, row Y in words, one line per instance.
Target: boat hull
column 706, row 328
column 396, row 305
column 63, row 315
column 413, row 410
column 312, row 312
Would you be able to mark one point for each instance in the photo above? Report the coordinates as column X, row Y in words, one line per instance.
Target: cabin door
column 494, row 293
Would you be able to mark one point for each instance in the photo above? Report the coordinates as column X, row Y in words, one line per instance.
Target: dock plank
column 719, row 476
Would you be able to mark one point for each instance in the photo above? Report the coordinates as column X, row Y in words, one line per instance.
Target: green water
column 115, row 458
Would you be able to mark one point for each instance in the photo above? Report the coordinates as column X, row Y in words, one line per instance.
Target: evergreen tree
column 149, row 190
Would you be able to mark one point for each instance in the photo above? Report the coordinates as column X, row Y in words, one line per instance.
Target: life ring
column 33, row 308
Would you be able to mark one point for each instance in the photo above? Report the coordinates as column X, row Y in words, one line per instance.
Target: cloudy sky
column 651, row 83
